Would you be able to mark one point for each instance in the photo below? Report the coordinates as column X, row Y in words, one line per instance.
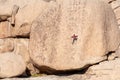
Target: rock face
column 109, row 1
column 16, row 13
column 11, row 65
column 52, row 77
column 15, row 24
column 108, row 70
column 24, row 19
column 6, row 45
column 17, row 46
column 116, row 8
column 5, row 29
column 67, row 36
column 8, row 10
column 21, row 48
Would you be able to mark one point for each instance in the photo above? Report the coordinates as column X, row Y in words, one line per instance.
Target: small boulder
column 11, row 65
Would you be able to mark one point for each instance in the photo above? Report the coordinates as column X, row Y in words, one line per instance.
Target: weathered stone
column 11, row 65
column 108, row 70
column 112, row 56
column 109, row 1
column 17, row 46
column 6, row 7
column 24, row 18
column 14, row 12
column 18, row 13
column 118, row 52
column 21, row 48
column 50, row 77
column 5, row 29
column 68, row 36
column 116, row 8
column 32, row 70
column 6, row 45
column 40, row 78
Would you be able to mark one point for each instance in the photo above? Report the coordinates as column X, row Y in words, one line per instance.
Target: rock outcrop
column 16, row 17
column 72, row 34
column 66, row 36
column 11, row 65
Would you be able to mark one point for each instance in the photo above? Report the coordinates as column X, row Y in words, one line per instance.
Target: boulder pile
column 53, row 36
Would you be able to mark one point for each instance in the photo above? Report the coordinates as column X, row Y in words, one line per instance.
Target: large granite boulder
column 11, row 65
column 72, row 34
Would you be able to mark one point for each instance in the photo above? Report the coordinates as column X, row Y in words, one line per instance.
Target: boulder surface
column 107, row 70
column 72, row 34
column 115, row 4
column 11, row 65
